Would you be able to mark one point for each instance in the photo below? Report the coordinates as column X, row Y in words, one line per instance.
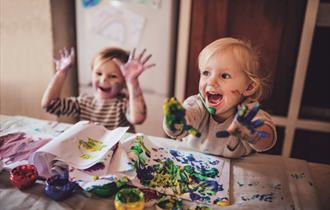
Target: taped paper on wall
column 118, row 25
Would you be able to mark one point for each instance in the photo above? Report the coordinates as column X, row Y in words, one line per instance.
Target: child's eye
column 225, row 76
column 98, row 73
column 205, row 73
column 112, row 76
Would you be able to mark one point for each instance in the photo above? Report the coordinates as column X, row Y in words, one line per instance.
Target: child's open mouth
column 105, row 89
column 213, row 99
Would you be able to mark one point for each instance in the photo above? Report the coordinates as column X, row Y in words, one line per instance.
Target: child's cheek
column 95, row 84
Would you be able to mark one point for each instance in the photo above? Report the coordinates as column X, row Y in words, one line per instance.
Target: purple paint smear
column 18, row 147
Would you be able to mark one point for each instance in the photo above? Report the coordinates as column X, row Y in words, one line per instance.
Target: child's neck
column 101, row 99
column 220, row 118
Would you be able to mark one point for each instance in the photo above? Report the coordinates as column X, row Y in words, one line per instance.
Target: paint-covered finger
column 57, row 64
column 240, row 116
column 145, row 60
column 141, row 54
column 132, row 55
column 257, row 123
column 61, row 53
column 72, row 54
column 242, row 111
column 149, row 66
column 252, row 113
column 222, row 134
column 166, row 100
column 66, row 52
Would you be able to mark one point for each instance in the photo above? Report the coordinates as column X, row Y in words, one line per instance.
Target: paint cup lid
column 23, row 176
column 59, row 187
column 130, row 199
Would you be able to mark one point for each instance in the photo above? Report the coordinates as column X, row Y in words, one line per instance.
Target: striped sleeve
column 66, row 106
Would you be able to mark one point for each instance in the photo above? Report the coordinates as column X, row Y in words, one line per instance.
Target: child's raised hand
column 244, row 127
column 175, row 117
column 135, row 65
column 66, row 60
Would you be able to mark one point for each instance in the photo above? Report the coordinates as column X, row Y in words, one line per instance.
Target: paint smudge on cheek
column 235, row 92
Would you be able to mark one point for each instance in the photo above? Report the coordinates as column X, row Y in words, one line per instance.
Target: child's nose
column 103, row 79
column 212, row 81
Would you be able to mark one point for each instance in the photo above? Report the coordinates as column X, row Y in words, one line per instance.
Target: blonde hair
column 107, row 54
column 247, row 57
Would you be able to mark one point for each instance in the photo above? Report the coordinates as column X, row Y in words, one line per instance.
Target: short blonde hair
column 107, row 54
column 247, row 57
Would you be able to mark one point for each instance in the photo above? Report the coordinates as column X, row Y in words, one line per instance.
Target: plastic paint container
column 129, row 199
column 23, row 176
column 109, row 189
column 59, row 187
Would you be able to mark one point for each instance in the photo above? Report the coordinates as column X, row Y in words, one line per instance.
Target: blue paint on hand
column 244, row 117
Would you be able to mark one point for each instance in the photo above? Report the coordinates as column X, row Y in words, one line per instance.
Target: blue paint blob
column 194, row 196
column 90, row 3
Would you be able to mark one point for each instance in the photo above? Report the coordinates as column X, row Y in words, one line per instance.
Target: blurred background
column 293, row 36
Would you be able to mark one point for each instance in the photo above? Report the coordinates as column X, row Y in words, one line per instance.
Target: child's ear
column 251, row 89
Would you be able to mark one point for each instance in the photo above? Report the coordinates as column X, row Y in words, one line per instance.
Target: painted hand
column 66, row 60
column 244, row 127
column 175, row 117
column 135, row 65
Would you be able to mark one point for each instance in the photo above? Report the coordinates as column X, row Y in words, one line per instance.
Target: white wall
column 26, row 56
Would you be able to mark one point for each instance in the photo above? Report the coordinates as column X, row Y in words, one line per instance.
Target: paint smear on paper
column 179, row 173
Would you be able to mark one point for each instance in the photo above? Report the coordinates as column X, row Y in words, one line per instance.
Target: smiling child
column 226, row 112
column 118, row 99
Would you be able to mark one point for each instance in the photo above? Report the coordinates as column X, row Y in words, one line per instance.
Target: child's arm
column 62, row 65
column 259, row 134
column 131, row 70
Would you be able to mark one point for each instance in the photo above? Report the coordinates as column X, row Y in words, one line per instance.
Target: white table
column 258, row 181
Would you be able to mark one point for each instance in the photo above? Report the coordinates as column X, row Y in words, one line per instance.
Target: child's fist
column 175, row 120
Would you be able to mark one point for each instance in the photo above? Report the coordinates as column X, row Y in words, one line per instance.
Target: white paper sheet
column 81, row 146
